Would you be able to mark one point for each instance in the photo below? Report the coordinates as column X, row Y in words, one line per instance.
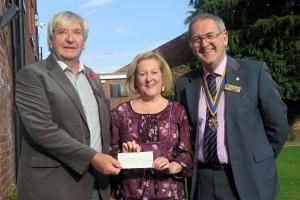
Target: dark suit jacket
column 55, row 158
column 255, row 124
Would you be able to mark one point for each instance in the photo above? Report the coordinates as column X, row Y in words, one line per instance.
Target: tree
column 262, row 30
column 176, row 72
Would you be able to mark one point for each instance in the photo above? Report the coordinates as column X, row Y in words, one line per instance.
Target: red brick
column 7, row 138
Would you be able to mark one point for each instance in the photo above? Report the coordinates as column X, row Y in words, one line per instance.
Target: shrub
column 11, row 194
column 291, row 135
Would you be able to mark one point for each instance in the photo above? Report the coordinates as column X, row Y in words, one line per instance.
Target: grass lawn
column 288, row 166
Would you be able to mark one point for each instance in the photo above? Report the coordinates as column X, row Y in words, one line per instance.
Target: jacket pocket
column 264, row 165
column 39, row 161
column 263, row 154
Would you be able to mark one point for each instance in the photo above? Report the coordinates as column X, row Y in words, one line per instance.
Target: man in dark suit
column 66, row 117
column 238, row 119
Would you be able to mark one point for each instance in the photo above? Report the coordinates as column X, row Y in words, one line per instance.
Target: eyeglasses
column 209, row 37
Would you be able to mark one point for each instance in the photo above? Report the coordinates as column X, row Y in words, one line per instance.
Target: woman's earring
column 163, row 88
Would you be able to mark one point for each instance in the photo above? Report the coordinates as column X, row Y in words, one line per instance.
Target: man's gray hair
column 201, row 17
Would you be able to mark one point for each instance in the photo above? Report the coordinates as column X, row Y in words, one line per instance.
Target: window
column 118, row 90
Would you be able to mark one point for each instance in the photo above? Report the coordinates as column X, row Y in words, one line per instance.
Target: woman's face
column 149, row 78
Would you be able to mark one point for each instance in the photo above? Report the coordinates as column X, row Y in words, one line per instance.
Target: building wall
column 7, row 147
column 114, row 101
column 31, row 35
column 7, row 130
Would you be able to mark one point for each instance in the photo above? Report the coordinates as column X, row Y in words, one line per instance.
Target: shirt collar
column 65, row 67
column 219, row 71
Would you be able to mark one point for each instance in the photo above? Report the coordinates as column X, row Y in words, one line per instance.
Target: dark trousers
column 215, row 183
column 95, row 194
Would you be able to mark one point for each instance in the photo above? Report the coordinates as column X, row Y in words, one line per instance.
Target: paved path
column 292, row 145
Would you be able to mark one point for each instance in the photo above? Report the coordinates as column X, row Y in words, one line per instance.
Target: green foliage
column 262, row 30
column 291, row 135
column 11, row 194
column 275, row 41
column 176, row 72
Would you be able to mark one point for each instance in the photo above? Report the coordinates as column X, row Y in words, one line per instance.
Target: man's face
column 208, row 43
column 68, row 42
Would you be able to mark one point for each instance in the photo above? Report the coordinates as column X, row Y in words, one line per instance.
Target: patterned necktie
column 210, row 133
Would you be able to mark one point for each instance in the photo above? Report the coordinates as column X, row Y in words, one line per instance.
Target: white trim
column 113, row 76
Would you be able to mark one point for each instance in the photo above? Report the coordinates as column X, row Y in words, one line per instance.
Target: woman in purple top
column 151, row 123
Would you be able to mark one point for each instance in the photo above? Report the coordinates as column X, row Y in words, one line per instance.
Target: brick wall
column 114, row 101
column 30, row 33
column 7, row 139
column 7, row 131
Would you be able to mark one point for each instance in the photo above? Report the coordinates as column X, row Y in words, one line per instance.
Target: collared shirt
column 221, row 139
column 88, row 101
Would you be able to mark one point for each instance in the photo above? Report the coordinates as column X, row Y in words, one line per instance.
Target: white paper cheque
column 136, row 160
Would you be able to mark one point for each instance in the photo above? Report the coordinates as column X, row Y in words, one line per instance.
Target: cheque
column 136, row 159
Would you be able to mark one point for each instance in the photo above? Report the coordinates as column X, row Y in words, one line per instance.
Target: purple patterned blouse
column 166, row 134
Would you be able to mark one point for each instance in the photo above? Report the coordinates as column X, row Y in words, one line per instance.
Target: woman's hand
column 131, row 146
column 163, row 164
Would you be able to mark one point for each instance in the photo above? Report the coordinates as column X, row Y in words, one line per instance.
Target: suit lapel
column 233, row 77
column 94, row 82
column 192, row 96
column 62, row 80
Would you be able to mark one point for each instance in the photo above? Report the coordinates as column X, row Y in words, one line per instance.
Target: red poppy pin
column 92, row 76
